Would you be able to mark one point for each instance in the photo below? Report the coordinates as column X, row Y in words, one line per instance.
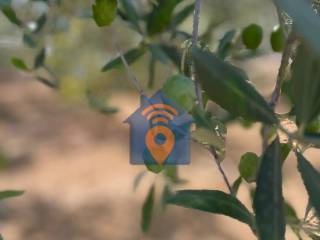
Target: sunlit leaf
column 19, row 63
column 268, row 200
column 248, row 166
column 10, row 194
column 104, row 12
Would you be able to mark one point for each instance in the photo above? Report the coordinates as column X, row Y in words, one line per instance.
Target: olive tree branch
column 195, row 36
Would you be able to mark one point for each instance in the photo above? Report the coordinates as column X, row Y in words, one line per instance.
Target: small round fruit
column 277, row 39
column 252, row 36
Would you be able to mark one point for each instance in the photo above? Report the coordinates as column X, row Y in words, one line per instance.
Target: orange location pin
column 160, row 152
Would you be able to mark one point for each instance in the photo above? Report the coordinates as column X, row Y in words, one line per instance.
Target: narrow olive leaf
column 225, row 44
column 302, row 16
column 236, row 185
column 214, row 202
column 226, row 86
column 131, row 56
column 268, row 200
column 104, row 12
column 248, row 166
column 131, row 13
column 99, row 104
column 40, row 58
column 155, row 168
column 311, row 179
column 305, row 82
column 147, row 210
column 160, row 17
column 41, row 22
column 284, row 151
column 158, row 53
column 10, row 194
column 47, row 82
column 182, row 15
column 11, row 15
column 181, row 90
column 19, row 63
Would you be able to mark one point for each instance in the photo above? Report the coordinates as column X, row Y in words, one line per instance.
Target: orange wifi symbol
column 160, row 113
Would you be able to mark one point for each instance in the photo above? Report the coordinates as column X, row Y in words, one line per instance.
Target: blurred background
column 73, row 162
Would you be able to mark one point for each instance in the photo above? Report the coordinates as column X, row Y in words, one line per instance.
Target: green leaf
column 248, row 166
column 236, row 185
column 147, row 210
column 104, row 12
column 268, row 200
column 305, row 82
column 302, row 16
column 41, row 22
column 131, row 13
column 209, row 130
column 158, row 53
column 181, row 90
column 214, row 202
column 284, row 151
column 171, row 172
column 11, row 15
column 10, row 194
column 40, row 58
column 182, row 15
column 28, row 40
column 225, row 44
column 47, row 82
column 227, row 86
column 160, row 17
column 311, row 179
column 252, row 36
column 19, row 63
column 99, row 104
column 277, row 39
column 131, row 56
column 155, row 168
column 173, row 53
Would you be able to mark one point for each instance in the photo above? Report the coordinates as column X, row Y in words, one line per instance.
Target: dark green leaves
column 182, row 15
column 248, row 166
column 104, row 11
column 131, row 56
column 305, row 84
column 40, row 58
column 19, row 63
column 214, row 202
column 225, row 44
column 311, row 179
column 10, row 194
column 227, row 86
column 147, row 210
column 277, row 39
column 252, row 36
column 180, row 90
column 160, row 17
column 8, row 11
column 131, row 13
column 268, row 200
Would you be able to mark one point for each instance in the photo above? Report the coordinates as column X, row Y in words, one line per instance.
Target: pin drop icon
column 159, row 139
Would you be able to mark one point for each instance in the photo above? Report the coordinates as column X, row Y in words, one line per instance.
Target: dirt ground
column 73, row 164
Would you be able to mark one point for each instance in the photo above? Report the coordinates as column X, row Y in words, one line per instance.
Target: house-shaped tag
column 159, row 132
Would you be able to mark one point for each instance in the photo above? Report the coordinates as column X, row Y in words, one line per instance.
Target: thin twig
column 195, row 34
column 130, row 74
